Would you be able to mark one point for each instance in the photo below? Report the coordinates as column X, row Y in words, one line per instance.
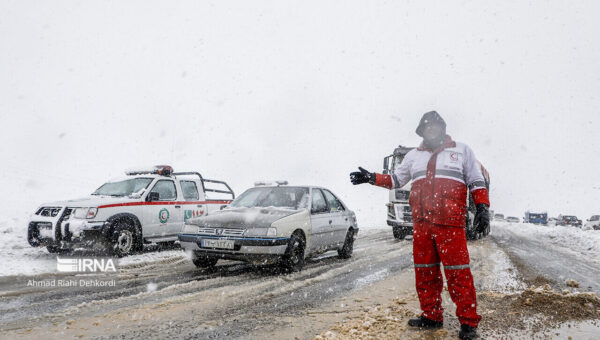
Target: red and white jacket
column 440, row 180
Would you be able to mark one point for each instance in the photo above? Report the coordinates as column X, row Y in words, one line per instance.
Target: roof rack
column 229, row 191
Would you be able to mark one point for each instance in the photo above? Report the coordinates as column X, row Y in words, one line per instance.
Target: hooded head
column 432, row 128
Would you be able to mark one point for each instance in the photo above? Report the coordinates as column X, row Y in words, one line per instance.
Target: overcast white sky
column 298, row 90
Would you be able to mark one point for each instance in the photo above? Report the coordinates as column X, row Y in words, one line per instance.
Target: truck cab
column 399, row 214
column 123, row 214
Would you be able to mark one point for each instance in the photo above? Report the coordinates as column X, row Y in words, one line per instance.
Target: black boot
column 467, row 332
column 423, row 322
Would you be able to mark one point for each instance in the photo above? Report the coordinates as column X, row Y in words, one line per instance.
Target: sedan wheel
column 348, row 247
column 293, row 260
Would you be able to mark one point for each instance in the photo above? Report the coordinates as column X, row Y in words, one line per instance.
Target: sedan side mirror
column 318, row 211
column 153, row 196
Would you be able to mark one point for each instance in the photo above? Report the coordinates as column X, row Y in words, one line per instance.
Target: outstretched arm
column 397, row 179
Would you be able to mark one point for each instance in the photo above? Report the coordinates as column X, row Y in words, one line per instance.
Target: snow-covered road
column 162, row 295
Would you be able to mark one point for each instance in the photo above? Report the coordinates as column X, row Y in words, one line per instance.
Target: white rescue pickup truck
column 122, row 215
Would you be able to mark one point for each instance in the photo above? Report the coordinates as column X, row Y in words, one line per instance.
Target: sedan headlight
column 261, row 232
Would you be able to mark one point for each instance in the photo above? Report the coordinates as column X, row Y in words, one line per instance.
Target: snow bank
column 19, row 258
column 22, row 259
column 571, row 239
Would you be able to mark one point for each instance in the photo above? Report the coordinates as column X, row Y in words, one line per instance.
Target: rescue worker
column 441, row 170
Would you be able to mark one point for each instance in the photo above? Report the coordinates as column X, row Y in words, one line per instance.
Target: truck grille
column 67, row 214
column 402, row 195
column 221, row 232
column 48, row 211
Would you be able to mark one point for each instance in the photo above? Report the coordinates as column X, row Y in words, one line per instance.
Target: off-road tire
column 57, row 250
column 125, row 239
column 399, row 233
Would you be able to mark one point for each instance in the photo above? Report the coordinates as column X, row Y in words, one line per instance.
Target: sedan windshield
column 283, row 197
column 123, row 188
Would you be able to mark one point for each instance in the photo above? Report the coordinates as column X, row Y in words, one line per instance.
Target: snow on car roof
column 123, row 178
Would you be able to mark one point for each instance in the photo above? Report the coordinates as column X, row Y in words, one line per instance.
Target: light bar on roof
column 163, row 170
column 269, row 183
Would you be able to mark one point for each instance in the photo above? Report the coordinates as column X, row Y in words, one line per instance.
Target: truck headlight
column 271, row 232
column 91, row 213
column 83, row 213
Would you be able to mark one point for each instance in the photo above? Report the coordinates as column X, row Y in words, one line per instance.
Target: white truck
column 146, row 206
column 399, row 213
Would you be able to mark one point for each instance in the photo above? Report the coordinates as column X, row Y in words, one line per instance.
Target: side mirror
column 317, row 211
column 386, row 165
column 153, row 196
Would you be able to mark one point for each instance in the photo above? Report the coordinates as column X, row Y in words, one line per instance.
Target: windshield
column 595, row 218
column 396, row 162
column 123, row 188
column 570, row 218
column 283, row 197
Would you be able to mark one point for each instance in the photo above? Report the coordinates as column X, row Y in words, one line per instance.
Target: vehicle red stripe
column 129, row 204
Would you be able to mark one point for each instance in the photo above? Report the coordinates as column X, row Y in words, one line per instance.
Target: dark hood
column 430, row 117
column 242, row 218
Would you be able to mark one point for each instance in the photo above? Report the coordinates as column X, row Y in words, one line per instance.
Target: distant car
column 593, row 223
column 552, row 221
column 571, row 220
column 536, row 217
column 273, row 224
column 498, row 217
column 512, row 219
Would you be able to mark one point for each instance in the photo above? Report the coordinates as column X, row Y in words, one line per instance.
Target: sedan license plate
column 221, row 244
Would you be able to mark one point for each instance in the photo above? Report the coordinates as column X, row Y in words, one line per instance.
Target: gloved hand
column 362, row 176
column 482, row 218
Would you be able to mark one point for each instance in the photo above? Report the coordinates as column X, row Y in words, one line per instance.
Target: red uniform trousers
column 433, row 244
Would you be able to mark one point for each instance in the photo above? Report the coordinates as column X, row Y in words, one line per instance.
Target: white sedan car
column 273, row 224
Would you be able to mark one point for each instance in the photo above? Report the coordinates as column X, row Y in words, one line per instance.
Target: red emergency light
column 163, row 170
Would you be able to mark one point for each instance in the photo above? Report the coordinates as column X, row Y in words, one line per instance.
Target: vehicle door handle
column 177, row 206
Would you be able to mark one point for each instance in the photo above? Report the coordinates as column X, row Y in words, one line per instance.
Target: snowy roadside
column 569, row 239
column 22, row 259
column 19, row 257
